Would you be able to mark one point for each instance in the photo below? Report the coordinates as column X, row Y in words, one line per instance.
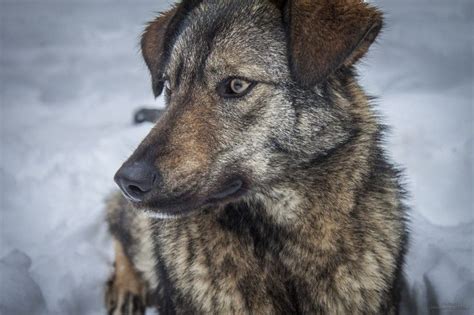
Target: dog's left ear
column 325, row 35
column 154, row 50
column 159, row 37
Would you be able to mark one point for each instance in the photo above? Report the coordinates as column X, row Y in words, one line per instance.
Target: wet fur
column 321, row 227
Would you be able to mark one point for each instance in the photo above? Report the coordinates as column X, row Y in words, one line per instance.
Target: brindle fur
column 320, row 226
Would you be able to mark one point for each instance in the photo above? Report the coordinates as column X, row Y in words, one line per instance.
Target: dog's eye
column 235, row 87
column 239, row 86
column 168, row 86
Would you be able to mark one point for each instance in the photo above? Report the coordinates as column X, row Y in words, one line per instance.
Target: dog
column 263, row 188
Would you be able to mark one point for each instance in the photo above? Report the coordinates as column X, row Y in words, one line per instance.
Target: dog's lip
column 230, row 189
column 168, row 209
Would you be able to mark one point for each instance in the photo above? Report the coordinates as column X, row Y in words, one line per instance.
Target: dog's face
column 243, row 102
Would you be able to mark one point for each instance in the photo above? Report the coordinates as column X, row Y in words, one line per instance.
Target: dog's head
column 244, row 86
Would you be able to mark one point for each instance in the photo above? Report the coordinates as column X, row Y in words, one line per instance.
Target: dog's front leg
column 125, row 291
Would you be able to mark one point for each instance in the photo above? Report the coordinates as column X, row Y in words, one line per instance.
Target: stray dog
column 263, row 188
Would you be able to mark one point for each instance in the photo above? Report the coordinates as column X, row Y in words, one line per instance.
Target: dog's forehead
column 230, row 34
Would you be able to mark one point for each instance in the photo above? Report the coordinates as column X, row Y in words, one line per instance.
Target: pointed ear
column 324, row 35
column 154, row 50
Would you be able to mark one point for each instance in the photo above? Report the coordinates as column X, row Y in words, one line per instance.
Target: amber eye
column 239, row 86
column 235, row 87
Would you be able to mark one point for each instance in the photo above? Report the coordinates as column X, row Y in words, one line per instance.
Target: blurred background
column 71, row 75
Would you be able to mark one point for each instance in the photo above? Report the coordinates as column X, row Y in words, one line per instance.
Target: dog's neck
column 335, row 180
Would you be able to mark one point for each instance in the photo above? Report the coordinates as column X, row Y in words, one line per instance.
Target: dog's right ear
column 325, row 35
column 154, row 50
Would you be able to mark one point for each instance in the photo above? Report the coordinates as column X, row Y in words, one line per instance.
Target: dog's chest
column 221, row 265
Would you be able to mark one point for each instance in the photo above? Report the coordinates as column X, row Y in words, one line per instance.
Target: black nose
column 136, row 180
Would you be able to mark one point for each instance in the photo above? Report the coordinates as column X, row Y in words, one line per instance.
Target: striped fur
column 319, row 224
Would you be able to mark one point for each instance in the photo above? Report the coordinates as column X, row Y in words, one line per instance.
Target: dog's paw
column 120, row 300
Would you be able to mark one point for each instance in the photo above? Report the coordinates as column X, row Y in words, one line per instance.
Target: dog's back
column 263, row 188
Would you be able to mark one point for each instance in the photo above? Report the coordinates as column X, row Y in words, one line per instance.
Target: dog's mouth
column 164, row 209
column 230, row 189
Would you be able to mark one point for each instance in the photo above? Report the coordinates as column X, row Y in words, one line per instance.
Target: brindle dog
column 263, row 188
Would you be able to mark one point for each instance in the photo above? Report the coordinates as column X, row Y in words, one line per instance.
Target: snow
column 71, row 76
column 21, row 287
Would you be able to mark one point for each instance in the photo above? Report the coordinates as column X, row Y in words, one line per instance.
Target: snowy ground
column 71, row 75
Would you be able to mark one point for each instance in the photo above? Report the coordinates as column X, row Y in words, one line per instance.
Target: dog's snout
column 136, row 180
